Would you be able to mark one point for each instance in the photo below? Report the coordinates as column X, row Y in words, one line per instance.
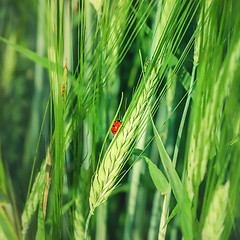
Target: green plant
column 170, row 71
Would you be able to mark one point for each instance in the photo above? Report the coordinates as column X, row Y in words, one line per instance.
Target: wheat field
column 167, row 71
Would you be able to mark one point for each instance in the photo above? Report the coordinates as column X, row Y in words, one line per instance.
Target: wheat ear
column 33, row 200
column 106, row 176
column 214, row 223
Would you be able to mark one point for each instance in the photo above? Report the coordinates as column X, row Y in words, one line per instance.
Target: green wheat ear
column 214, row 223
column 106, row 176
column 33, row 200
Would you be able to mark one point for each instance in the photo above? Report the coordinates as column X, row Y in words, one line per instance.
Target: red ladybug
column 116, row 125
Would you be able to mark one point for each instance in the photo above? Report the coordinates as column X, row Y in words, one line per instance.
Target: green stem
column 87, row 224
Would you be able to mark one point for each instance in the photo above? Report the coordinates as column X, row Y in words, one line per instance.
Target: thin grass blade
column 179, row 191
column 28, row 53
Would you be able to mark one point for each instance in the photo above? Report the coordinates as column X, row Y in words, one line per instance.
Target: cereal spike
column 48, row 180
column 105, row 178
column 214, row 223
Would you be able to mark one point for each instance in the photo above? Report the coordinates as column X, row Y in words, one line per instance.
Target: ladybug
column 116, row 125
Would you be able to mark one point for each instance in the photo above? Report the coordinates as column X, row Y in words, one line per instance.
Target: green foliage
column 3, row 187
column 157, row 176
column 7, row 228
column 169, row 70
column 179, row 191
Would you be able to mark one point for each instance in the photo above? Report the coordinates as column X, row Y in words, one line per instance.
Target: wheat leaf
column 178, row 190
column 157, row 176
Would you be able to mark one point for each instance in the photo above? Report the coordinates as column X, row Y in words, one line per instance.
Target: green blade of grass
column 45, row 62
column 183, row 75
column 6, row 227
column 28, row 53
column 179, row 191
column 3, row 186
column 172, row 215
column 67, row 206
column 157, row 176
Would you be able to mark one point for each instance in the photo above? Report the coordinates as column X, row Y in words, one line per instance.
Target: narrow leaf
column 137, row 152
column 3, row 187
column 28, row 53
column 67, row 206
column 179, row 191
column 157, row 176
column 183, row 75
column 172, row 215
column 6, row 226
column 46, row 63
